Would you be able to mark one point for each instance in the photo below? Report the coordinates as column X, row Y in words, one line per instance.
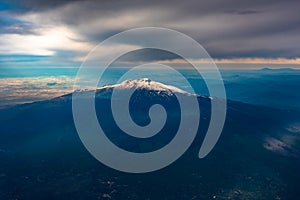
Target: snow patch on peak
column 146, row 83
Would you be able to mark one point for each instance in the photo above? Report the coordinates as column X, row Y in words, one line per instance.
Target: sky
column 237, row 34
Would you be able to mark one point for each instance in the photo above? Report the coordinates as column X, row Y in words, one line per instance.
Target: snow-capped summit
column 145, row 83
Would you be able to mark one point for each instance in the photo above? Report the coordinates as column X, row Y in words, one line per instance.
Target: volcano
column 42, row 157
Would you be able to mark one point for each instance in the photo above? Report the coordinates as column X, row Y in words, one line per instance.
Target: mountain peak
column 145, row 83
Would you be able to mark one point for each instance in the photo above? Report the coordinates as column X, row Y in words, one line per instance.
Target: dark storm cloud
column 147, row 54
column 227, row 29
column 36, row 5
column 12, row 26
column 245, row 12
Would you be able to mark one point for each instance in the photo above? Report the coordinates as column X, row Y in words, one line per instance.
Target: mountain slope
column 257, row 156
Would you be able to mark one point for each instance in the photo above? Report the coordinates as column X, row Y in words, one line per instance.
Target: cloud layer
column 67, row 30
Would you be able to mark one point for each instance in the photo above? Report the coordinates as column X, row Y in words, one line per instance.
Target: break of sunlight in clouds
column 45, row 42
column 284, row 61
column 236, row 63
column 22, row 90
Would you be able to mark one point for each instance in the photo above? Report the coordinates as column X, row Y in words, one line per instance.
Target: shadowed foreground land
column 42, row 157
